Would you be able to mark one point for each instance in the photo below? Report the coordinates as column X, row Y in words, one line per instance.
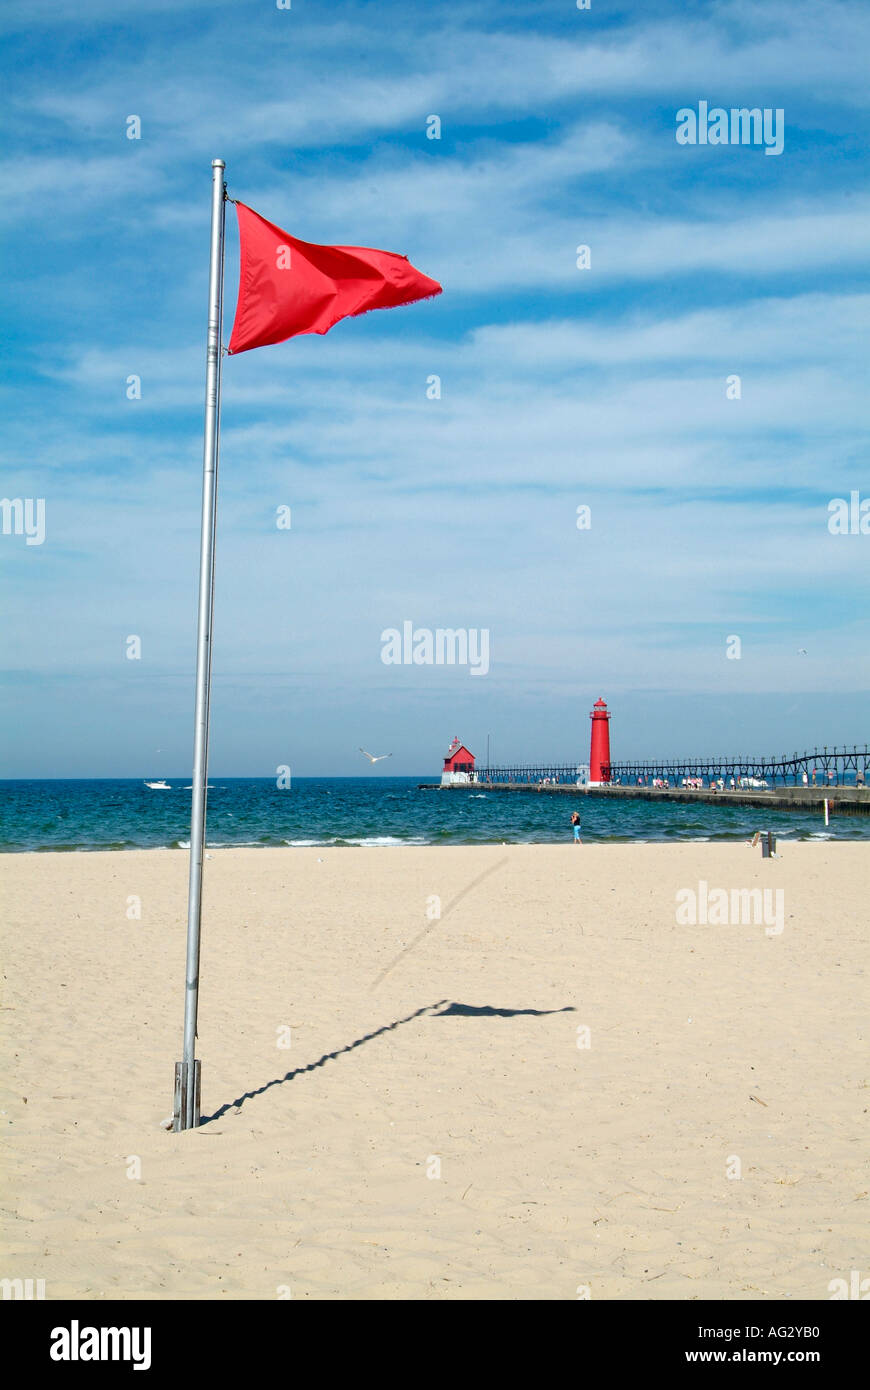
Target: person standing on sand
column 575, row 821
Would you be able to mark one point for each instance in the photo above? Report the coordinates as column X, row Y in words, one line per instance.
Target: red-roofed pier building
column 458, row 765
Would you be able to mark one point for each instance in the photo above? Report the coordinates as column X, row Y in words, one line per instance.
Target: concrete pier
column 842, row 801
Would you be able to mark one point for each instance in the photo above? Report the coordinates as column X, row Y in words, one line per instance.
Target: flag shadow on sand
column 444, row 1008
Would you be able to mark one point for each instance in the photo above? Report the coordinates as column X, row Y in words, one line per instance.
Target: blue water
column 376, row 811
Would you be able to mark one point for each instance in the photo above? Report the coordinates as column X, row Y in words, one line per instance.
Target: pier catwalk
column 842, row 801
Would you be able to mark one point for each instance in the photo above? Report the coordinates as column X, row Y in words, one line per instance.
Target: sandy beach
column 552, row 1089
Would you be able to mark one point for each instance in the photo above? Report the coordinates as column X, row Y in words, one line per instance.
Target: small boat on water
column 159, row 786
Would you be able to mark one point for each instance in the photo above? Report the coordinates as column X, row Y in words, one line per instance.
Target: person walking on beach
column 575, row 821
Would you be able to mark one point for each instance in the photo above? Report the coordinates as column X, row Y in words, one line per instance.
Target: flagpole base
column 185, row 1109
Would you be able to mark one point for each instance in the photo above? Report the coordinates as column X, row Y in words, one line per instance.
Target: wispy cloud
column 559, row 386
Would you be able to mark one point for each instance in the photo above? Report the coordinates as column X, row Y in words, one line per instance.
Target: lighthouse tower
column 599, row 746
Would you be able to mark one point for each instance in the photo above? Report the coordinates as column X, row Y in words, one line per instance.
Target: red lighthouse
column 599, row 746
column 458, row 765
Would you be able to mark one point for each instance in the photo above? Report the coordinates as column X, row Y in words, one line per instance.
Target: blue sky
column 560, row 386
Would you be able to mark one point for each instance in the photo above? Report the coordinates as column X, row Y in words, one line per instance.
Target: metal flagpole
column 186, row 1107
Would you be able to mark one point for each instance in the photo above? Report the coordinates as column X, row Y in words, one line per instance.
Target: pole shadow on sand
column 442, row 1009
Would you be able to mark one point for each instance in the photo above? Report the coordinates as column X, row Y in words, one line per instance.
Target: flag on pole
column 288, row 287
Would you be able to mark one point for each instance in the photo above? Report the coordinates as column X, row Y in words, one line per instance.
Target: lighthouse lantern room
column 458, row 765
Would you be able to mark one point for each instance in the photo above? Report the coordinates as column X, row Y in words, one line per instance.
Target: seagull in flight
column 802, row 651
column 379, row 759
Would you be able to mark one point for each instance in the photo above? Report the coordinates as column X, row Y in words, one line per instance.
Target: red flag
column 288, row 287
